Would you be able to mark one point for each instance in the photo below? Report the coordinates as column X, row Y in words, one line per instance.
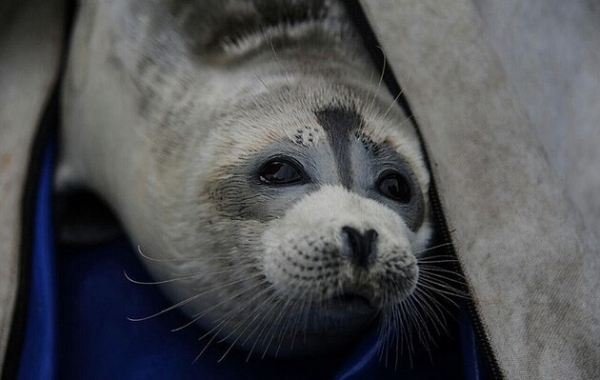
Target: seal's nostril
column 359, row 248
column 353, row 238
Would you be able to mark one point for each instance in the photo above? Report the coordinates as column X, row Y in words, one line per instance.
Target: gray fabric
column 550, row 51
column 511, row 136
column 30, row 41
column 533, row 268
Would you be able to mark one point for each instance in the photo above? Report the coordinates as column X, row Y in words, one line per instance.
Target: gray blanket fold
column 530, row 259
column 506, row 95
column 30, row 46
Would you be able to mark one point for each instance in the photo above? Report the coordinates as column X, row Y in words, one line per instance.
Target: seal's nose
column 359, row 248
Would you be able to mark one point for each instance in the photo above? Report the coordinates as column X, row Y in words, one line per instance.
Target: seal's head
column 247, row 149
column 309, row 207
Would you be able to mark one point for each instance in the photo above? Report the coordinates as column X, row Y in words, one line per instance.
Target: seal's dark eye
column 280, row 172
column 395, row 186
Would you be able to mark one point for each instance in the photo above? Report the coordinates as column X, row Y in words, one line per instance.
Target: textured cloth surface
column 512, row 137
column 550, row 52
column 532, row 265
column 30, row 44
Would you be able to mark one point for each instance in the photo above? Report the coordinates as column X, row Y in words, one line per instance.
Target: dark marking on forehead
column 340, row 125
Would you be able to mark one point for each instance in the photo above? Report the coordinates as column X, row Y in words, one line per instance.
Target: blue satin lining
column 38, row 359
column 77, row 326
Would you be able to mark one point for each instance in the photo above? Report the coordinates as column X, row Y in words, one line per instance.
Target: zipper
column 361, row 22
column 484, row 343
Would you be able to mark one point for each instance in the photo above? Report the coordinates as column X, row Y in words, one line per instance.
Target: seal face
column 281, row 195
column 323, row 218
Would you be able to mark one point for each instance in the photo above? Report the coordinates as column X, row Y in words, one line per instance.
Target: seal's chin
column 335, row 323
column 351, row 306
column 343, row 314
column 355, row 301
column 322, row 327
column 334, row 327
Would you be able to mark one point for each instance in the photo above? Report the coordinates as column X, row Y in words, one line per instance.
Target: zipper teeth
column 472, row 308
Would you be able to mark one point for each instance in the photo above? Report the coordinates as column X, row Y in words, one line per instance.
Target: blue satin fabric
column 38, row 359
column 77, row 326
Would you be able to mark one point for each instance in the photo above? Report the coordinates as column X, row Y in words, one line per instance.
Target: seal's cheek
column 334, row 243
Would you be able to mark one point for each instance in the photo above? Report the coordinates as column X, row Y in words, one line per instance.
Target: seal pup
column 278, row 195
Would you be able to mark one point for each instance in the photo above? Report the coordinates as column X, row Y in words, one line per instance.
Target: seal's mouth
column 358, row 304
column 347, row 306
column 344, row 314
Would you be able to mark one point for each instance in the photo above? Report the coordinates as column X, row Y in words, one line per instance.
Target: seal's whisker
column 177, row 305
column 276, row 331
column 432, row 249
column 385, row 333
column 278, row 320
column 285, row 327
column 391, row 334
column 248, row 324
column 262, row 81
column 439, row 273
column 429, row 262
column 446, row 294
column 420, row 324
column 237, row 311
column 189, row 299
column 439, row 320
column 438, row 310
column 145, row 256
column 372, row 71
column 273, row 298
column 380, row 78
column 158, row 282
column 424, row 334
column 411, row 315
column 416, row 320
column 445, row 258
column 291, row 324
column 382, row 117
column 277, row 59
column 258, row 313
column 408, row 340
column 199, row 316
column 213, row 331
column 387, row 329
column 238, row 269
column 404, row 332
column 439, row 284
column 420, row 306
column 264, row 323
column 206, row 346
column 301, row 318
column 394, row 338
column 408, row 321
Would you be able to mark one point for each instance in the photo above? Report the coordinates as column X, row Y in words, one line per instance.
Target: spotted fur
column 170, row 114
